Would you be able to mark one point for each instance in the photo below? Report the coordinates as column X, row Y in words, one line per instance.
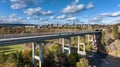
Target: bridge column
column 88, row 39
column 40, row 54
column 33, row 53
column 70, row 45
column 40, row 57
column 83, row 52
column 66, row 48
column 93, row 39
column 63, row 44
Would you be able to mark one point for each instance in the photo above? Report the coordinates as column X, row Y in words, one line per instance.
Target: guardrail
column 30, row 34
column 2, row 36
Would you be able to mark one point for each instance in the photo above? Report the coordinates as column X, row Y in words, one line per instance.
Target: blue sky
column 60, row 11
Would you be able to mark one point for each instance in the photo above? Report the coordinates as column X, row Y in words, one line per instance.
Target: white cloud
column 43, row 19
column 61, row 17
column 106, row 18
column 52, row 17
column 90, row 5
column 67, row 17
column 108, row 14
column 31, row 11
column 86, row 16
column 73, row 8
column 37, row 11
column 71, row 19
column 76, row 1
column 119, row 5
column 115, row 14
column 97, row 19
column 17, row 4
column 37, row 18
column 2, row 19
column 12, row 18
column 46, row 12
column 105, row 14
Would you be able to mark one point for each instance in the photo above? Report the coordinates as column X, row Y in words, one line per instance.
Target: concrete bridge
column 12, row 39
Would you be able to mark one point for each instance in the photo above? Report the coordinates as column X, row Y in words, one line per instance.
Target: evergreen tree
column 20, row 59
column 12, row 57
column 102, row 38
column 116, row 33
column 2, row 57
column 73, row 58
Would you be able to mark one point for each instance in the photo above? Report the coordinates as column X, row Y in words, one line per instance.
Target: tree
column 2, row 57
column 20, row 59
column 12, row 57
column 26, row 56
column 102, row 38
column 27, row 65
column 116, row 33
column 83, row 62
column 73, row 58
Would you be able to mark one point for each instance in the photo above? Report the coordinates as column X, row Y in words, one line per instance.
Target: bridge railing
column 2, row 36
column 32, row 34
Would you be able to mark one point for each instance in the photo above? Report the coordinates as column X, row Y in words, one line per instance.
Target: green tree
column 27, row 65
column 102, row 38
column 83, row 62
column 73, row 58
column 116, row 33
column 2, row 57
column 12, row 57
column 20, row 59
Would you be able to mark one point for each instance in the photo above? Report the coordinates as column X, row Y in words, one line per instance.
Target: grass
column 11, row 49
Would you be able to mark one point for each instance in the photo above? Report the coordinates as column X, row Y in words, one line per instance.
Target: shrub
column 12, row 57
column 2, row 57
column 83, row 62
column 73, row 58
column 102, row 38
column 116, row 33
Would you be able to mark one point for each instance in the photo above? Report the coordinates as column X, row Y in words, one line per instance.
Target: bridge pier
column 66, row 48
column 92, row 40
column 82, row 52
column 40, row 54
column 40, row 57
column 33, row 54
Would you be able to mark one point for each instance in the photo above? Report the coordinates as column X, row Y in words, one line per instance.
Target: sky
column 60, row 11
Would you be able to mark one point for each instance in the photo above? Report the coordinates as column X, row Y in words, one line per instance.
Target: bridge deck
column 12, row 39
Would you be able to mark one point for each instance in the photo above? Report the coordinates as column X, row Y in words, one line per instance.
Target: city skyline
column 60, row 11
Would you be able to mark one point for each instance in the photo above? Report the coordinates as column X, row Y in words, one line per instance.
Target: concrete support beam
column 91, row 40
column 40, row 54
column 84, row 43
column 66, row 48
column 37, row 58
column 63, row 44
column 33, row 54
column 83, row 52
column 40, row 57
column 70, row 45
column 88, row 39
